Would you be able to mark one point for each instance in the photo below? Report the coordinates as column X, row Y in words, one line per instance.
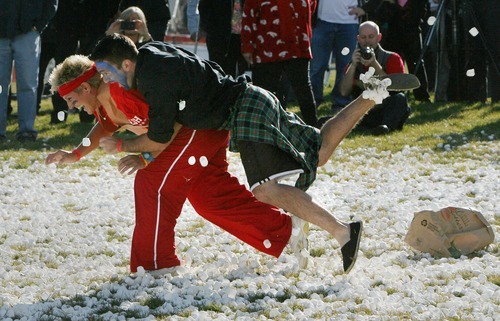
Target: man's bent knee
column 263, row 192
column 322, row 158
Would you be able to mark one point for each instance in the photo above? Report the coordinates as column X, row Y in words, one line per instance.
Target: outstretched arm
column 66, row 157
column 338, row 127
column 139, row 144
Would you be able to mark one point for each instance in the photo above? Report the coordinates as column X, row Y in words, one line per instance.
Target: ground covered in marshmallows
column 65, row 241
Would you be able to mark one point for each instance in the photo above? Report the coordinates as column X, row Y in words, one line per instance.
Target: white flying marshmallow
column 86, row 142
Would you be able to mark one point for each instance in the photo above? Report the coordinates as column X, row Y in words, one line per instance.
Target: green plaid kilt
column 257, row 116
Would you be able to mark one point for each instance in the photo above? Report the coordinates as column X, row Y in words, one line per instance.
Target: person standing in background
column 221, row 21
column 489, row 13
column 275, row 41
column 47, row 52
column 193, row 20
column 479, row 55
column 21, row 23
column 334, row 34
column 71, row 32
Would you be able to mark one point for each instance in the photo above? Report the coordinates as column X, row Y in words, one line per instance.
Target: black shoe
column 350, row 249
column 401, row 82
column 26, row 136
column 380, row 130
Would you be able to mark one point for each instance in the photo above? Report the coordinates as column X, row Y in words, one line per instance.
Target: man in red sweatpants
column 193, row 167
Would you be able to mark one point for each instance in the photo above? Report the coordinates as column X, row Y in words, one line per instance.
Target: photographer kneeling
column 392, row 113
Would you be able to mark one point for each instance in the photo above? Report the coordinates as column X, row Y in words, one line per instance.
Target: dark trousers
column 272, row 75
column 392, row 112
column 46, row 55
column 409, row 46
column 230, row 60
column 484, row 56
column 66, row 45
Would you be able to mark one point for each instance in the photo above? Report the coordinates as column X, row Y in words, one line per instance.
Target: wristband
column 119, row 144
column 144, row 161
column 77, row 153
column 148, row 157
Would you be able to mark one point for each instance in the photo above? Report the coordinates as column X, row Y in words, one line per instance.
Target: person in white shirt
column 334, row 34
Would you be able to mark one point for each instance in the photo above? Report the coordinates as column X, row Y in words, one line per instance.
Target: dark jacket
column 401, row 19
column 182, row 87
column 20, row 16
column 215, row 20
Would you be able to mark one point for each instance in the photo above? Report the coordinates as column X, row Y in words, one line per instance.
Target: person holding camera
column 394, row 110
column 402, row 20
column 131, row 23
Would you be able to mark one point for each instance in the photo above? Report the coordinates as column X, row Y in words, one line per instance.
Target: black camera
column 366, row 53
column 127, row 25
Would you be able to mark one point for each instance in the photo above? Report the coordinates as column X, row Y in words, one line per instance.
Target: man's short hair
column 115, row 48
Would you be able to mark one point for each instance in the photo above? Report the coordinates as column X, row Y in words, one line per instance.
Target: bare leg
column 300, row 204
column 338, row 127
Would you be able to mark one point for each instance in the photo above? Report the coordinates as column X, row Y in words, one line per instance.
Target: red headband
column 68, row 87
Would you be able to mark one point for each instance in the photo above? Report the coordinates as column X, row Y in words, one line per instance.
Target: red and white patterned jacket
column 277, row 30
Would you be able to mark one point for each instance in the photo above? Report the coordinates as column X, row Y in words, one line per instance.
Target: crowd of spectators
column 288, row 49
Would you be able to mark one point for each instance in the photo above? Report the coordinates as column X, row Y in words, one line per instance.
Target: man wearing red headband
column 194, row 166
column 181, row 87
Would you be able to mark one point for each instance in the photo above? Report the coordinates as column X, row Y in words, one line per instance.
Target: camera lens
column 366, row 53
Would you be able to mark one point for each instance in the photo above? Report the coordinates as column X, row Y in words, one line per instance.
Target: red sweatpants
column 194, row 166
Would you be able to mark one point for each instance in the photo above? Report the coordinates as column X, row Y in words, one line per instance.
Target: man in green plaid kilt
column 183, row 89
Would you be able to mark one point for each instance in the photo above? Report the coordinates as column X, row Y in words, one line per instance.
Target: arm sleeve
column 395, row 64
column 49, row 10
column 162, row 90
column 162, row 113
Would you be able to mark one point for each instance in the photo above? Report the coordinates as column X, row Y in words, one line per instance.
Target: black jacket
column 181, row 87
column 20, row 16
column 402, row 19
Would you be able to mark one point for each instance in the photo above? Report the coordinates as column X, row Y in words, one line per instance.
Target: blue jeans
column 24, row 50
column 327, row 38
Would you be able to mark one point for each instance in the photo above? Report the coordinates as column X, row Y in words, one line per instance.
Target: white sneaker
column 160, row 273
column 298, row 241
column 376, row 89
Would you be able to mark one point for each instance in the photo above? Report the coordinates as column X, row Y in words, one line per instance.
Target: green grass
column 436, row 126
column 431, row 124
